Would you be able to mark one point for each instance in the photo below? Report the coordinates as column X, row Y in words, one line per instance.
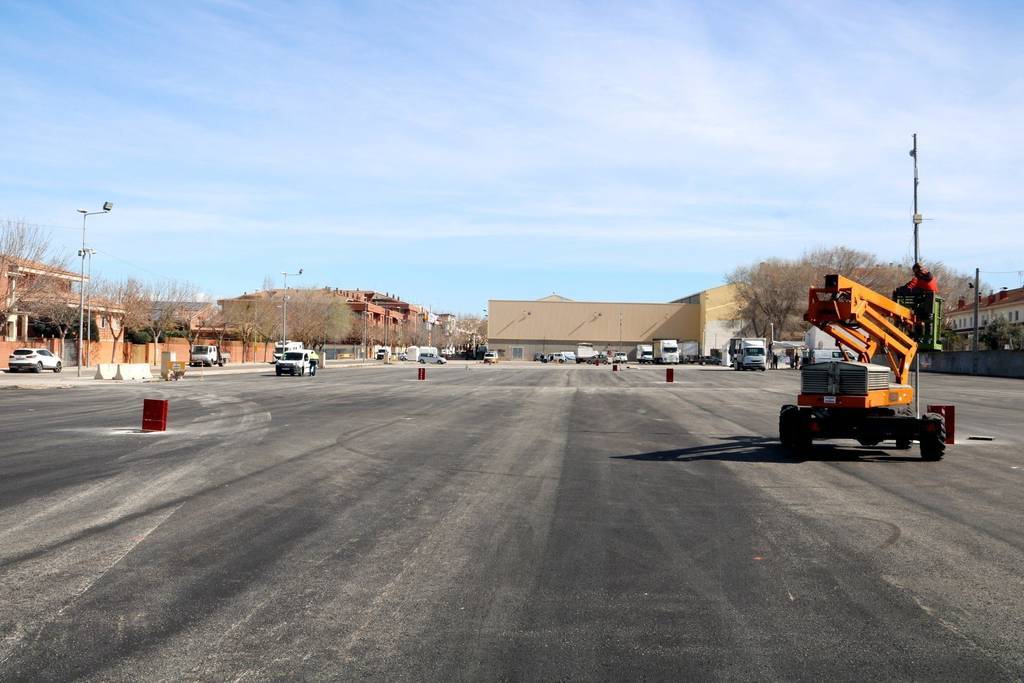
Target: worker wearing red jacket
column 923, row 281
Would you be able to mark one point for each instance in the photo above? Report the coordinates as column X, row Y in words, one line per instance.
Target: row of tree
column 773, row 293
column 132, row 309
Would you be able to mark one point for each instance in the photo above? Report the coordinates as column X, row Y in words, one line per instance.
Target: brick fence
column 104, row 352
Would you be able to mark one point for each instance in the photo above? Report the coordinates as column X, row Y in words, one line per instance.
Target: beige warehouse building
column 518, row 329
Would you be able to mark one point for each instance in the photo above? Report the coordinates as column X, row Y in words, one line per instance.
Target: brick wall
column 100, row 351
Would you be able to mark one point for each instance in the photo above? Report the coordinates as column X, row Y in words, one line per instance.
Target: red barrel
column 154, row 415
column 422, row 373
column 949, row 415
column 615, row 367
column 670, row 374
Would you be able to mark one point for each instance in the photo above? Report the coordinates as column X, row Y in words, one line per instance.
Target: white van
column 826, row 355
column 428, row 354
column 293, row 363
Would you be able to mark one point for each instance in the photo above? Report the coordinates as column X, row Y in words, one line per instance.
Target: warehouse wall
column 596, row 322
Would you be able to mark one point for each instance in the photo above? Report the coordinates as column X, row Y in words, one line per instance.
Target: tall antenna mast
column 917, row 259
column 917, row 216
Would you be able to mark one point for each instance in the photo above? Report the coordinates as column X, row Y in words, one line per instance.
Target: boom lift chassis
column 851, row 400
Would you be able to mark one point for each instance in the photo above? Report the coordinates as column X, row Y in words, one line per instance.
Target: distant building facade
column 518, row 329
column 1006, row 304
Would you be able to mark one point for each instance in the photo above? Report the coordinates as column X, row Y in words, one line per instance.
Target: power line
column 134, row 265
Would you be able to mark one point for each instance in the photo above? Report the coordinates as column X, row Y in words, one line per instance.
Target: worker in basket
column 918, row 295
column 923, row 281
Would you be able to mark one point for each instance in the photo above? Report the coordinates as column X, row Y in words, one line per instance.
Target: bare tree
column 252, row 319
column 23, row 249
column 204, row 318
column 123, row 305
column 267, row 323
column 317, row 317
column 413, row 332
column 166, row 312
column 219, row 324
column 470, row 332
column 773, row 293
column 58, row 309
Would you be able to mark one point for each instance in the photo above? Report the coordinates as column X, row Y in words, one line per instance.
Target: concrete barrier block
column 133, row 372
column 106, row 371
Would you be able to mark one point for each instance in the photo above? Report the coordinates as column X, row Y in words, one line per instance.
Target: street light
column 107, row 206
column 88, row 330
column 284, row 309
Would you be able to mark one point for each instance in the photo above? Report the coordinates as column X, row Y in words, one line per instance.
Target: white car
column 620, row 358
column 432, row 358
column 35, row 360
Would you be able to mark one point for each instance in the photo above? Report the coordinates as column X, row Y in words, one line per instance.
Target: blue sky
column 460, row 151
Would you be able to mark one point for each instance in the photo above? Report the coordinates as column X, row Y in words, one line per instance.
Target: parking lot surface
column 510, row 522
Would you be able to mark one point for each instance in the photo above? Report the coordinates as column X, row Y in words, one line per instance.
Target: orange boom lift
column 840, row 399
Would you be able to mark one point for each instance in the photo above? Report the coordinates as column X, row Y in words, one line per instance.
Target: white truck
column 666, row 351
column 749, row 353
column 644, row 353
column 207, row 355
column 281, row 348
column 584, row 352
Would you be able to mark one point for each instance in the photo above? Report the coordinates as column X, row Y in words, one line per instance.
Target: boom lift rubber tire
column 933, row 443
column 791, row 430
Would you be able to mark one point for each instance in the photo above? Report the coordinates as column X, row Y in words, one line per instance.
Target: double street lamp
column 107, row 206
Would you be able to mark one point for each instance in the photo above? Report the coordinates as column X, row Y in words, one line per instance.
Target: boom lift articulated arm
column 846, row 400
column 865, row 322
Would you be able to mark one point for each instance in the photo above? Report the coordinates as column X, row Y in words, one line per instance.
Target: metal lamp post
column 107, row 206
column 284, row 309
column 88, row 330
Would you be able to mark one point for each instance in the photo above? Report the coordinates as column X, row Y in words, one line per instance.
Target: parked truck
column 207, row 355
column 644, row 353
column 584, row 352
column 666, row 351
column 748, row 353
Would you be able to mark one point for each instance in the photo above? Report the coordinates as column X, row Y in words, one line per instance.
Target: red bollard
column 615, row 367
column 422, row 374
column 670, row 374
column 154, row 415
column 949, row 414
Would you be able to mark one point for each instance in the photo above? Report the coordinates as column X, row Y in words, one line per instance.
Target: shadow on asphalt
column 761, row 449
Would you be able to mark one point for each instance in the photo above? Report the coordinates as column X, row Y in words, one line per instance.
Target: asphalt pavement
column 513, row 522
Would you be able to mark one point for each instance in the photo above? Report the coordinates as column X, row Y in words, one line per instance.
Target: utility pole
column 917, row 259
column 977, row 310
column 917, row 216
